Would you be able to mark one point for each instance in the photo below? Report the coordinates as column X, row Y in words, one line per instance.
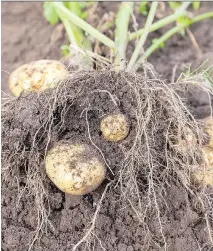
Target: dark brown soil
column 28, row 39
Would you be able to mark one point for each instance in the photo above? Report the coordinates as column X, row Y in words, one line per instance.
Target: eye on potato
column 115, row 127
column 74, row 168
column 37, row 76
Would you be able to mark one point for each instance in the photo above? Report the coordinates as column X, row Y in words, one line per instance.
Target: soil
column 118, row 228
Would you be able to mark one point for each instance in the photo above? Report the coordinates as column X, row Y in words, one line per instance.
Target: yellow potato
column 204, row 176
column 74, row 168
column 208, row 128
column 37, row 76
column 115, row 127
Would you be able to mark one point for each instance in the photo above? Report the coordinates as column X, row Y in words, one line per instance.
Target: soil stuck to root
column 146, row 202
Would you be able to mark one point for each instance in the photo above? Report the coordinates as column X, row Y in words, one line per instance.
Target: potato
column 204, row 176
column 114, row 127
column 74, row 168
column 208, row 128
column 37, row 76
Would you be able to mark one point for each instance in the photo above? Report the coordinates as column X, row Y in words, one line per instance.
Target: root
column 90, row 230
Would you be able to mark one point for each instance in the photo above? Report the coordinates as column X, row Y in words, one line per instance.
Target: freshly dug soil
column 118, row 228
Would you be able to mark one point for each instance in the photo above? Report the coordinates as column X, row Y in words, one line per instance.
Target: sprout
column 37, row 76
column 115, row 127
column 74, row 168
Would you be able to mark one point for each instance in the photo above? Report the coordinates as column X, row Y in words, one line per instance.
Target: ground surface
column 30, row 38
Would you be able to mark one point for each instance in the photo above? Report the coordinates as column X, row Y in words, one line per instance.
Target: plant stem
column 121, row 32
column 143, row 36
column 163, row 22
column 83, row 25
column 169, row 34
column 202, row 16
column 75, row 34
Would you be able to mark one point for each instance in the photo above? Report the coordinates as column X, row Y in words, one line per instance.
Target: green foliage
column 174, row 5
column 143, row 8
column 160, row 46
column 196, row 5
column 50, row 13
column 64, row 49
column 183, row 22
column 77, row 8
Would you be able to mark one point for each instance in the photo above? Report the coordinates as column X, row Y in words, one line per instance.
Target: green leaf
column 50, row 13
column 143, row 8
column 196, row 5
column 84, row 15
column 185, row 22
column 66, row 4
column 75, row 8
column 82, row 5
column 174, row 5
column 161, row 45
column 65, row 49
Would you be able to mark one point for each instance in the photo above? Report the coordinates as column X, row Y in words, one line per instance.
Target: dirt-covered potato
column 204, row 175
column 74, row 168
column 115, row 127
column 37, row 76
column 208, row 128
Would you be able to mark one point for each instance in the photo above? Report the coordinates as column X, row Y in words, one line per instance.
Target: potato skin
column 114, row 127
column 74, row 168
column 204, row 175
column 208, row 128
column 37, row 76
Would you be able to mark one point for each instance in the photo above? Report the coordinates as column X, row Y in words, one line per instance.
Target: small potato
column 74, row 168
column 115, row 127
column 37, row 76
column 204, row 176
column 208, row 128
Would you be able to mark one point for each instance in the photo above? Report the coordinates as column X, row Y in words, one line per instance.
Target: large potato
column 74, row 168
column 204, row 175
column 115, row 127
column 37, row 76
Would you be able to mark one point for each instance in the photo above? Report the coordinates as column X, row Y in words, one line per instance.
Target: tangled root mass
column 141, row 168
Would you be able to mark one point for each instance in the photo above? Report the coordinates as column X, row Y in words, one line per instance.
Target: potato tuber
column 74, row 168
column 37, row 76
column 115, row 127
